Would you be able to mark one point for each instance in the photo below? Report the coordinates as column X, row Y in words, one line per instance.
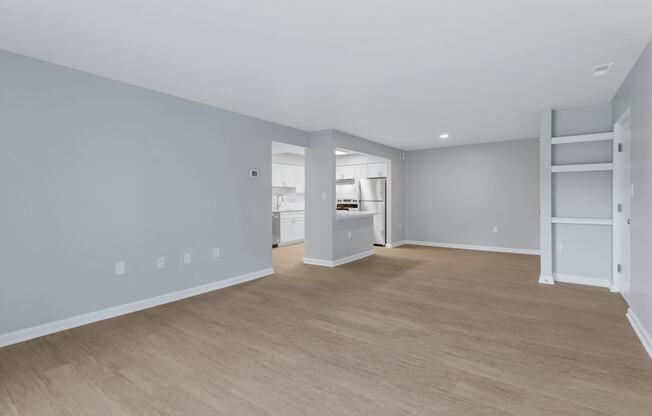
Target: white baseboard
column 318, row 262
column 582, row 280
column 475, row 247
column 337, row 262
column 397, row 244
column 289, row 243
column 546, row 280
column 114, row 311
column 643, row 335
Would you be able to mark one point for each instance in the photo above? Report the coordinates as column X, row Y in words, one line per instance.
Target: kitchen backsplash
column 293, row 200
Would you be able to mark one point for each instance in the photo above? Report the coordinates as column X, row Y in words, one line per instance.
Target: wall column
column 545, row 196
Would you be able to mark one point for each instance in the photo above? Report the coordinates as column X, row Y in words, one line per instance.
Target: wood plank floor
column 409, row 331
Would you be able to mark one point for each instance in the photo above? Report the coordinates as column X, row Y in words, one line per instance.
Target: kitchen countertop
column 288, row 210
column 348, row 215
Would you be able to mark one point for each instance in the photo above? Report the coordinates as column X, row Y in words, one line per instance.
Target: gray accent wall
column 455, row 195
column 94, row 171
column 636, row 94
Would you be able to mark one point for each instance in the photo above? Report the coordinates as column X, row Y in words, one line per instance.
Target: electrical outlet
column 187, row 258
column 349, row 235
column 160, row 262
column 216, row 252
column 495, row 228
column 120, row 268
column 560, row 246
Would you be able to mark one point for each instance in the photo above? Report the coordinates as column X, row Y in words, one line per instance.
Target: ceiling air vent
column 601, row 69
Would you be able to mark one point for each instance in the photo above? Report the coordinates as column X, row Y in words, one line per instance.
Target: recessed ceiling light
column 340, row 152
column 443, row 136
column 600, row 70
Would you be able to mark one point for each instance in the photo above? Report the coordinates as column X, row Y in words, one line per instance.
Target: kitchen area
column 360, row 205
column 288, row 194
column 361, row 190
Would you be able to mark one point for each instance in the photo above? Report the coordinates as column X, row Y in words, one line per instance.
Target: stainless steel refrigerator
column 372, row 198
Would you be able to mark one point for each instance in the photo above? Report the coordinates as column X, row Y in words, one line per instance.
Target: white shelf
column 587, row 221
column 581, row 138
column 589, row 167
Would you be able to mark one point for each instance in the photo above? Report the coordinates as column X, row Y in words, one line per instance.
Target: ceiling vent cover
column 601, row 69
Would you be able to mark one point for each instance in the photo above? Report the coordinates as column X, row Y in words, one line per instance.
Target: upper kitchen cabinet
column 377, row 170
column 301, row 179
column 344, row 172
column 288, row 176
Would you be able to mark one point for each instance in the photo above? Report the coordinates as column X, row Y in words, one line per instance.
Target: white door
column 626, row 192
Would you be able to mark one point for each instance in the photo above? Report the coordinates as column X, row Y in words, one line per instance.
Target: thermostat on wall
column 254, row 173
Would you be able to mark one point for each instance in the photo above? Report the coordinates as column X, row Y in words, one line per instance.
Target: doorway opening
column 288, row 189
column 363, row 183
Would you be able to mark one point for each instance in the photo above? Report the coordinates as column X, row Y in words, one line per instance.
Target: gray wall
column 361, row 230
column 320, row 179
column 456, row 194
column 636, row 94
column 94, row 171
column 582, row 120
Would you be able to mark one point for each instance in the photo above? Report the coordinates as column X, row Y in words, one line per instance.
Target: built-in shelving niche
column 582, row 195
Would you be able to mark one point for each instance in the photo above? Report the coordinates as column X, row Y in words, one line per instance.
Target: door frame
column 617, row 189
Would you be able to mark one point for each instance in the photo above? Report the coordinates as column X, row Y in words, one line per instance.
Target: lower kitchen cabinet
column 292, row 227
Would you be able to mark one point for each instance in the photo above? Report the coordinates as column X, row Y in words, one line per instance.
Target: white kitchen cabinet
column 301, row 180
column 377, row 170
column 276, row 174
column 360, row 173
column 292, row 227
column 344, row 172
column 286, row 176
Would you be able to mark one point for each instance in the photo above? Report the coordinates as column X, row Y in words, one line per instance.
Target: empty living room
column 460, row 196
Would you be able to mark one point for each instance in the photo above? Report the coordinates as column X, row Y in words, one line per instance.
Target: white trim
column 87, row 318
column 475, row 247
column 337, row 262
column 582, row 280
column 642, row 334
column 624, row 116
column 580, row 138
column 290, row 242
column 546, row 280
column 588, row 221
column 585, row 167
column 318, row 262
column 617, row 232
column 397, row 244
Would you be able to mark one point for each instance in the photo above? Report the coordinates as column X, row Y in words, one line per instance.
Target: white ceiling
column 397, row 72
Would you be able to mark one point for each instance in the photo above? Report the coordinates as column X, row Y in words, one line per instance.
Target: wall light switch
column 400, row 226
column 560, row 246
column 216, row 252
column 120, row 268
column 160, row 262
column 323, row 196
column 187, row 258
column 495, row 228
column 349, row 235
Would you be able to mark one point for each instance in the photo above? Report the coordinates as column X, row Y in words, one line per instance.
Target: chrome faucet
column 278, row 204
